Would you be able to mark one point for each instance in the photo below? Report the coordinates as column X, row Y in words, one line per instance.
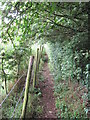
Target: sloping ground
column 62, row 99
column 47, row 90
column 71, row 100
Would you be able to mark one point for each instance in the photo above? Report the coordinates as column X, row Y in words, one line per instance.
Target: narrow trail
column 47, row 89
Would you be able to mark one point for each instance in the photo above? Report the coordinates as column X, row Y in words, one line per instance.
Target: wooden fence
column 32, row 67
column 29, row 77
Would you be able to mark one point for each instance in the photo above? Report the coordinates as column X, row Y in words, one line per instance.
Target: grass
column 68, row 103
column 34, row 109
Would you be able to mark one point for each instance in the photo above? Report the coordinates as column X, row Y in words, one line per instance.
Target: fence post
column 41, row 51
column 36, row 68
column 39, row 57
column 27, row 86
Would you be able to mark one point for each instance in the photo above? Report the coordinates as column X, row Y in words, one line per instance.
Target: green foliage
column 9, row 106
column 34, row 109
column 68, row 106
column 67, row 58
column 30, row 24
column 68, row 61
column 41, row 78
column 62, row 25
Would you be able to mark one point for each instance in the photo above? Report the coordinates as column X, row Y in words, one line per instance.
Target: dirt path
column 47, row 89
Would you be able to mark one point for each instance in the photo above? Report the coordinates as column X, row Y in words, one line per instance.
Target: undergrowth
column 34, row 109
column 68, row 102
column 67, row 62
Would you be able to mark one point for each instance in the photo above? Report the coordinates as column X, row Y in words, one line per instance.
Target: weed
column 68, row 102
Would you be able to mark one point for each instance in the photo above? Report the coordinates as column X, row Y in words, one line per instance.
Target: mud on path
column 47, row 90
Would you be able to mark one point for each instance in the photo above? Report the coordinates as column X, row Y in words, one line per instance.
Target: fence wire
column 11, row 90
column 18, row 108
column 18, row 102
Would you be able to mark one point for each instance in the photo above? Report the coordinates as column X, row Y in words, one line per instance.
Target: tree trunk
column 5, row 78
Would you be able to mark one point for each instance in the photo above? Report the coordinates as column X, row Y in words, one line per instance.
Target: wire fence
column 10, row 91
column 18, row 102
column 19, row 109
column 25, row 89
column 21, row 95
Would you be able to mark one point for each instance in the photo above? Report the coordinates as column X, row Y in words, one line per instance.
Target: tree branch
column 59, row 15
column 67, row 27
column 66, row 16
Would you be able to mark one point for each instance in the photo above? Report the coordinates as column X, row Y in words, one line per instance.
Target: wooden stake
column 39, row 57
column 41, row 51
column 36, row 68
column 27, row 86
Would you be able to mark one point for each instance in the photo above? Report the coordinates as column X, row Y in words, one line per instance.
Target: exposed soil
column 47, row 89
